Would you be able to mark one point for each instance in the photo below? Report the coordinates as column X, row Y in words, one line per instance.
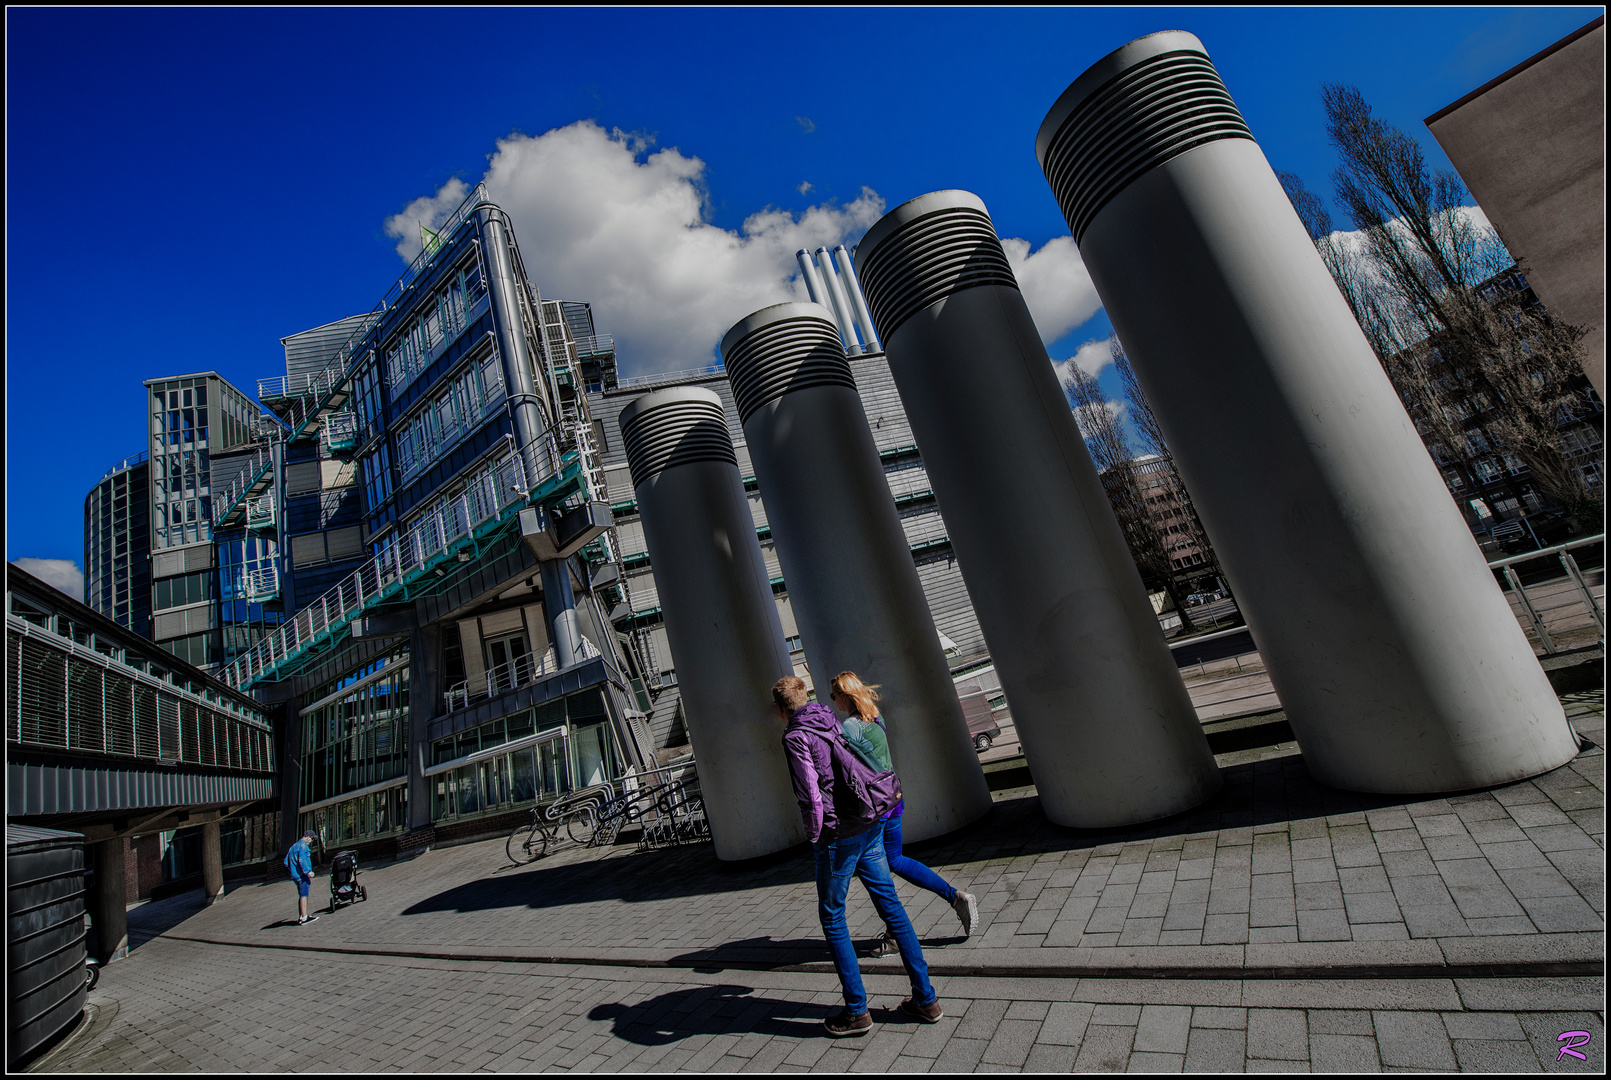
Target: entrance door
column 508, row 662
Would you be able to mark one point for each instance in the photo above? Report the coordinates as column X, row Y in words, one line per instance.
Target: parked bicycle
column 530, row 842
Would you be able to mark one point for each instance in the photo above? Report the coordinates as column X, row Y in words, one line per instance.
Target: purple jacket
column 805, row 746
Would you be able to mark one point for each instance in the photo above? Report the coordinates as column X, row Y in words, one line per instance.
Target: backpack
column 863, row 794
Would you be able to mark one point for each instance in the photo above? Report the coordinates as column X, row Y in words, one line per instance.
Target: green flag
column 428, row 239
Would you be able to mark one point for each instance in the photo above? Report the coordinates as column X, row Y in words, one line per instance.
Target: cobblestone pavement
column 1280, row 918
column 177, row 1006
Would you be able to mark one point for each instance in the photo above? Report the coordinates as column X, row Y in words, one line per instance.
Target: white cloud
column 601, row 220
column 1116, row 408
column 805, row 186
column 1090, row 358
column 63, row 574
column 1055, row 284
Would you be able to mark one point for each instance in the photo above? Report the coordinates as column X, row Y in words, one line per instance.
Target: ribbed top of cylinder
column 1142, row 104
column 673, row 427
column 781, row 349
column 924, row 250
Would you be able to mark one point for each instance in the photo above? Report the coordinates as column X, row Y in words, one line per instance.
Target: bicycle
column 530, row 842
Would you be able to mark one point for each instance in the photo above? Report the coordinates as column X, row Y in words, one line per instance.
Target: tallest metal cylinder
column 1397, row 659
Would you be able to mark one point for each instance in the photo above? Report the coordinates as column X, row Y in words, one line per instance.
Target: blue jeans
column 862, row 856
column 911, row 869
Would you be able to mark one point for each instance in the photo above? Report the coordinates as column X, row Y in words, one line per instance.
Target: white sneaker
column 304, row 922
column 967, row 908
column 884, row 946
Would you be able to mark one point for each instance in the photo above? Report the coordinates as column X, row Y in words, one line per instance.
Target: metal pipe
column 841, row 302
column 813, row 278
column 1397, row 658
column 852, row 583
column 1108, row 729
column 858, row 302
column 721, row 620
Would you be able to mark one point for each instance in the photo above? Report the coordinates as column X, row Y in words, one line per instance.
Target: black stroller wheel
column 362, row 895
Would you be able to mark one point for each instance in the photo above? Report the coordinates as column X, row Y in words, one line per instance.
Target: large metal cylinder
column 855, row 590
column 1107, row 727
column 1399, row 663
column 721, row 620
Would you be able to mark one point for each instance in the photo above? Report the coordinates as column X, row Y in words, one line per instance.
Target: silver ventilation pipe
column 720, row 618
column 841, row 302
column 1397, row 659
column 864, row 318
column 813, row 279
column 852, row 583
column 1108, row 729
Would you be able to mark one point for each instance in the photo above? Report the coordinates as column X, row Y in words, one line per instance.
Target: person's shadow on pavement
column 718, row 1010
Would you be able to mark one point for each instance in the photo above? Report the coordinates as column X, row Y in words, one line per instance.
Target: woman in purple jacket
column 859, row 701
column 843, row 853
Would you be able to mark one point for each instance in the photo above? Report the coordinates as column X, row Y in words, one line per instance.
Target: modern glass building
column 117, row 544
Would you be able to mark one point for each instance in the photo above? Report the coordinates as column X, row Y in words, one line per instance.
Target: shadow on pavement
column 721, row 1010
column 767, row 952
column 156, row 917
column 1258, row 793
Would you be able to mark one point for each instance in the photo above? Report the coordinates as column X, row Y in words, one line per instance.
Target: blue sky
column 187, row 187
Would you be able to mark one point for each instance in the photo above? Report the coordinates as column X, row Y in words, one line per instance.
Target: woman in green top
column 864, row 731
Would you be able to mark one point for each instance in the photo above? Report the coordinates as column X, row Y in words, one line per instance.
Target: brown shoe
column 842, row 1023
column 929, row 1014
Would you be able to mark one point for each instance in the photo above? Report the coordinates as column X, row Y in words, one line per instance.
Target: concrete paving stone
column 1561, row 993
column 1104, row 1049
column 1429, row 825
column 1413, row 1040
column 1330, row 924
column 1011, row 1042
column 1156, row 881
column 1371, row 907
column 1483, row 1025
column 1507, row 924
column 1517, row 794
column 929, row 1039
column 1318, row 895
column 1389, row 818
column 1116, row 1015
column 1240, row 836
column 1365, row 879
column 1127, row 873
column 960, row 1055
column 1180, row 937
column 1500, row 831
column 1317, row 847
column 1271, row 862
column 1544, row 1028
column 1340, row 1022
column 1399, row 840
column 1567, row 837
column 1149, row 905
column 981, row 1018
column 1106, row 920
column 1216, row 1050
column 1118, row 896
column 1529, row 881
column 1160, row 858
column 1065, row 1023
column 1162, row 1029
column 1495, row 1056
column 1420, row 889
column 1393, row 931
column 1098, row 941
column 1229, row 901
column 1558, row 914
column 903, row 1064
column 1194, row 870
column 1218, row 1016
column 1407, row 864
column 1044, row 1058
column 1272, row 911
column 1143, row 1062
column 1272, row 935
column 1185, row 914
column 1280, row 1034
column 1425, row 994
column 1272, row 884
column 1533, row 815
column 1451, row 847
column 1343, row 1054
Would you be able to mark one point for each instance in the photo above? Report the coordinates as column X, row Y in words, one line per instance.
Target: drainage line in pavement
column 1520, row 970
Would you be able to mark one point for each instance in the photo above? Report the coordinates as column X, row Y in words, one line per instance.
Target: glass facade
column 117, row 570
column 248, row 592
column 574, row 749
column 358, row 739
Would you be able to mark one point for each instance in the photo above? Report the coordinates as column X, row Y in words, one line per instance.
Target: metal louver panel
column 928, row 259
column 119, row 697
column 85, row 713
column 146, row 743
column 13, row 685
column 680, row 427
column 781, row 357
column 42, row 705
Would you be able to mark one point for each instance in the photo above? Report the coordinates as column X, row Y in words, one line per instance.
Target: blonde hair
column 860, row 694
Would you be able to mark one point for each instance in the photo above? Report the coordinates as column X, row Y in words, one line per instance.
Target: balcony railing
column 521, row 671
column 657, row 378
column 449, row 526
column 260, row 512
column 127, row 463
column 260, row 583
column 260, row 463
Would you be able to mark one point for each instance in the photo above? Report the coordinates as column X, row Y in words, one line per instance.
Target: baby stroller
column 344, row 887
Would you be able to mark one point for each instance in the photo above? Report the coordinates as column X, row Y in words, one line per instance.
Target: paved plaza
column 1283, row 926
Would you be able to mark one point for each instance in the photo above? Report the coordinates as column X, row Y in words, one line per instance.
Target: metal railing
column 521, row 671
column 659, row 377
column 225, row 504
column 260, row 583
column 340, row 432
column 413, row 551
column 407, row 366
column 595, row 345
column 1578, row 593
column 127, row 463
column 445, row 231
column 260, row 511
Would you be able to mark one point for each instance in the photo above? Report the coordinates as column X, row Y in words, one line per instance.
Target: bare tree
column 1153, row 442
column 1483, row 370
column 1110, row 451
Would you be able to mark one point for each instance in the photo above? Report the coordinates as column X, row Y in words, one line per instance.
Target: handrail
column 401, row 559
column 655, row 378
column 260, row 461
column 1545, row 552
column 127, row 463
